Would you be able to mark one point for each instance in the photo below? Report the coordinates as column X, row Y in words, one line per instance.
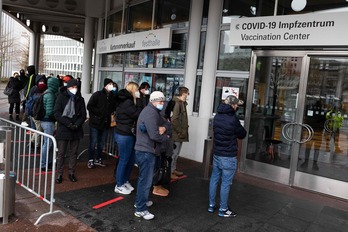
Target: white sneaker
column 24, row 123
column 148, row 204
column 123, row 190
column 144, row 214
column 129, row 186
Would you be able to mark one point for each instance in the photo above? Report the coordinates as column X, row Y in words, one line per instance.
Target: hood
column 40, row 77
column 31, row 70
column 123, row 94
column 53, row 84
column 225, row 109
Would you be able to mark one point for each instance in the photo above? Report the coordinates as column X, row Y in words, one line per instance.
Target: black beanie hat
column 71, row 83
column 107, row 81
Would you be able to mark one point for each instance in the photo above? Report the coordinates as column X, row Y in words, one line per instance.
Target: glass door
column 274, row 104
column 323, row 161
column 296, row 118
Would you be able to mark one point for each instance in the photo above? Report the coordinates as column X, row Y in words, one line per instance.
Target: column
column 87, row 55
column 97, row 57
column 210, row 59
column 193, row 49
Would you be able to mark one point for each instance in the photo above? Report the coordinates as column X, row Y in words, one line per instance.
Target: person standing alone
column 227, row 129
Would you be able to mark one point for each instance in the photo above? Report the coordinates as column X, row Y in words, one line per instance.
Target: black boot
column 11, row 118
column 17, row 118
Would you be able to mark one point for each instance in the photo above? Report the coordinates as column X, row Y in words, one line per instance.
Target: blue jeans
column 224, row 168
column 48, row 128
column 96, row 137
column 146, row 164
column 126, row 158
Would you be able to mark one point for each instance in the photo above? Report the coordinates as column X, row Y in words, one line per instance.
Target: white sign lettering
column 319, row 29
column 154, row 39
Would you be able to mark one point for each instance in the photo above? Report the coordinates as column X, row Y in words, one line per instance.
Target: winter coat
column 100, row 106
column 227, row 129
column 148, row 137
column 16, row 85
column 143, row 100
column 180, row 121
column 49, row 98
column 63, row 130
column 127, row 113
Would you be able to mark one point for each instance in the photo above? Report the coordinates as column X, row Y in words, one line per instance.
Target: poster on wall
column 226, row 91
column 159, row 61
column 147, row 79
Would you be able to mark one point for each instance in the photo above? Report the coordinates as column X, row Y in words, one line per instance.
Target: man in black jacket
column 100, row 106
column 70, row 113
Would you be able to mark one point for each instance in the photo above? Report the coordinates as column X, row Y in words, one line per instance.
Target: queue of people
column 148, row 130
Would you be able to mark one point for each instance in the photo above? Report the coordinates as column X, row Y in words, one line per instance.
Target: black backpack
column 39, row 109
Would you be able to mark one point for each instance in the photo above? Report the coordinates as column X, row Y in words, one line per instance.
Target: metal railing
column 27, row 145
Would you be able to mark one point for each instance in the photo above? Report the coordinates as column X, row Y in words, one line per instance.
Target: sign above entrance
column 319, row 29
column 154, row 39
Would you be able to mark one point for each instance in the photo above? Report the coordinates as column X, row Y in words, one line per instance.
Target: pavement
column 90, row 204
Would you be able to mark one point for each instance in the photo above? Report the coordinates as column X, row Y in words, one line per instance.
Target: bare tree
column 22, row 53
column 6, row 49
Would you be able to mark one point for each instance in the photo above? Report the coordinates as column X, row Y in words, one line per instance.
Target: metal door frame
column 290, row 176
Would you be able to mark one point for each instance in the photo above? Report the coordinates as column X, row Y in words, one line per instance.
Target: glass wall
column 140, row 17
column 173, row 13
column 114, row 76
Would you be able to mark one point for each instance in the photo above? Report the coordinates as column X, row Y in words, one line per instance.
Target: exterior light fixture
column 44, row 28
column 298, row 5
column 28, row 22
column 18, row 15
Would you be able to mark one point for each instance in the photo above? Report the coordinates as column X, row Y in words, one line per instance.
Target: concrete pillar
column 193, row 49
column 32, row 49
column 97, row 57
column 198, row 130
column 87, row 55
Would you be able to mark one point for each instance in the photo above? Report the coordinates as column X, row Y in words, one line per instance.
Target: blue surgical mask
column 159, row 107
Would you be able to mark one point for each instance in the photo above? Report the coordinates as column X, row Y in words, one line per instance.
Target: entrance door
column 297, row 120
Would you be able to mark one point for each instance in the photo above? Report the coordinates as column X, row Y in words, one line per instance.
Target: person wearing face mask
column 34, row 94
column 144, row 95
column 70, row 113
column 126, row 117
column 147, row 146
column 100, row 107
column 179, row 121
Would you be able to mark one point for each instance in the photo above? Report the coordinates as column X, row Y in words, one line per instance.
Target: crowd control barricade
column 26, row 162
column 110, row 146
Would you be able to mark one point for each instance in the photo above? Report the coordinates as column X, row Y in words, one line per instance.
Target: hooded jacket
column 49, row 99
column 227, row 129
column 180, row 121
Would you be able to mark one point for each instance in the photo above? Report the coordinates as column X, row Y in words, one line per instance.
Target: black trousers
column 17, row 108
column 67, row 148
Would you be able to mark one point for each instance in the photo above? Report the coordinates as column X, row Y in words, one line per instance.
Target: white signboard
column 154, row 39
column 319, row 29
column 226, row 91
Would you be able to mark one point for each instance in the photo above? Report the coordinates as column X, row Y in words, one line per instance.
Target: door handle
column 288, row 137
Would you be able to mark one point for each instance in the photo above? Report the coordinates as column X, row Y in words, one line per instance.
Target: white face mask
column 65, row 84
column 147, row 92
column 137, row 94
column 73, row 90
column 109, row 87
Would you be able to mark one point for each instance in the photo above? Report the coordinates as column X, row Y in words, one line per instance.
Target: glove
column 72, row 126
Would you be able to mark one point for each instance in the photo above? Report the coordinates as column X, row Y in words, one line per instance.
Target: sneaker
column 160, row 191
column 178, row 173
column 129, row 186
column 144, row 214
column 90, row 164
column 122, row 190
column 227, row 213
column 211, row 208
column 148, row 204
column 99, row 162
column 24, row 123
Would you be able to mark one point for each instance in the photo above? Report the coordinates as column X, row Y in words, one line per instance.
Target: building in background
column 62, row 56
column 13, row 47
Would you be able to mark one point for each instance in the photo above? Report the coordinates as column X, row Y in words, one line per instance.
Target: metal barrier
column 27, row 162
column 110, row 147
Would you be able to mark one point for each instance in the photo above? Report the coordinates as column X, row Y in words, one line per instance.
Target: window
column 140, row 17
column 173, row 13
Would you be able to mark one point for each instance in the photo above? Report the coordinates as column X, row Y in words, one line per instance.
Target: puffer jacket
column 16, row 85
column 49, row 99
column 180, row 121
column 127, row 113
column 227, row 129
column 100, row 106
column 63, row 130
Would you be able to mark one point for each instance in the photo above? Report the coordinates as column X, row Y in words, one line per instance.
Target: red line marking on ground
column 43, row 172
column 41, row 197
column 31, row 155
column 107, row 202
column 180, row 177
column 19, row 183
